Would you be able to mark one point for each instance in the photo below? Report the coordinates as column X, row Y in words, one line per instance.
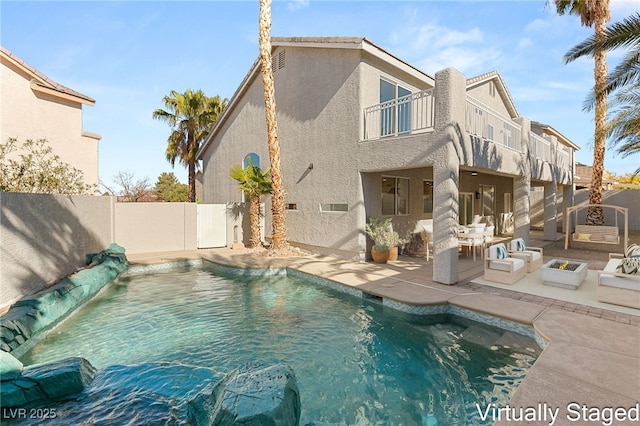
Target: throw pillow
column 584, row 237
column 520, row 245
column 501, row 251
column 610, row 238
column 630, row 265
column 632, row 251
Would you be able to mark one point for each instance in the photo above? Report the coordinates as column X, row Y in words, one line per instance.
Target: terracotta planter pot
column 380, row 256
column 393, row 253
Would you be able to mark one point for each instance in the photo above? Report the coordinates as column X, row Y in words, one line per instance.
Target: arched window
column 253, row 158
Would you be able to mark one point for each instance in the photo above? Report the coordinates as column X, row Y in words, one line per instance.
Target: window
column 396, row 114
column 427, row 196
column 507, row 135
column 251, row 158
column 334, row 207
column 291, row 206
column 395, row 195
column 465, row 205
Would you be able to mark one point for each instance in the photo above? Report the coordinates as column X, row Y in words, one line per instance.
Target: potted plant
column 385, row 239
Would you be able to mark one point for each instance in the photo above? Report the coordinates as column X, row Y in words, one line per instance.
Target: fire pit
column 563, row 273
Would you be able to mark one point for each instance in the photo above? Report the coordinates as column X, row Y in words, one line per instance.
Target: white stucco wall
column 28, row 114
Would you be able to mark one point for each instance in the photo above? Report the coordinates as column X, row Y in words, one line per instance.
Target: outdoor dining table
column 472, row 239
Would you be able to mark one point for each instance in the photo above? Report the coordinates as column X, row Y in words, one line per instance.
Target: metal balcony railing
column 483, row 122
column 402, row 116
column 539, row 147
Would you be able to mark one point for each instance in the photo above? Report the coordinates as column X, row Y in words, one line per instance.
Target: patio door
column 488, row 200
column 465, row 204
column 395, row 112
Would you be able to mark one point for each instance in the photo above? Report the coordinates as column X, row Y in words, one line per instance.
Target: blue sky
column 128, row 55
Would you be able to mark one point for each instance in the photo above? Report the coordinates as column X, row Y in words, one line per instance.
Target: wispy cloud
column 434, row 47
column 298, row 4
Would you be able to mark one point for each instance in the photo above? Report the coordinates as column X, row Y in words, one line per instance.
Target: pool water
column 355, row 361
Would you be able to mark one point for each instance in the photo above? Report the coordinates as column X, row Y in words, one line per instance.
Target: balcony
column 539, row 147
column 484, row 123
column 406, row 115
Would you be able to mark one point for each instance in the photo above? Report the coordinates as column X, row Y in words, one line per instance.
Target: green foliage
column 191, row 116
column 36, row 169
column 168, row 188
column 623, row 121
column 382, row 233
column 253, row 181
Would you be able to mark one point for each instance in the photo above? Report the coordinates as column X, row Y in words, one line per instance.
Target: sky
column 127, row 55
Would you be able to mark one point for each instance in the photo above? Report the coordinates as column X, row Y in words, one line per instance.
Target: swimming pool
column 355, row 360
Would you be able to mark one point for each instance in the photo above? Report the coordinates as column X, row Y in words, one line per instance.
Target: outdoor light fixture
column 474, row 173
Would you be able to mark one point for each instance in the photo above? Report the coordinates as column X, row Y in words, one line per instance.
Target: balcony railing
column 564, row 157
column 409, row 114
column 483, row 122
column 539, row 147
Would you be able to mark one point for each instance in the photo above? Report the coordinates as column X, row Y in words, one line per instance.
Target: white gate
column 212, row 225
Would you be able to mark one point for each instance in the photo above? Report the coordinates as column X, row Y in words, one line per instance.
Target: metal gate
column 212, row 225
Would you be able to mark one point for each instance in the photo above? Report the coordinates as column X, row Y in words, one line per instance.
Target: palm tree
column 191, row 116
column 624, row 125
column 278, row 236
column 254, row 183
column 594, row 13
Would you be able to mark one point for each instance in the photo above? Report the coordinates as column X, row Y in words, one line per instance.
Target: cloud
column 537, row 26
column 298, row 4
column 467, row 50
column 524, row 43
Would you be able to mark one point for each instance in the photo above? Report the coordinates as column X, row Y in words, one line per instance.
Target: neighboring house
column 36, row 107
column 584, row 175
column 363, row 133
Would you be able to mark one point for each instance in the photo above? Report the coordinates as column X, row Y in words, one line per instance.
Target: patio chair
column 531, row 255
column 427, row 238
column 500, row 267
column 470, row 241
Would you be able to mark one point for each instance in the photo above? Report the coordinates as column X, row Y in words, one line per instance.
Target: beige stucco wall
column 155, row 227
column 45, row 237
column 28, row 114
column 328, row 81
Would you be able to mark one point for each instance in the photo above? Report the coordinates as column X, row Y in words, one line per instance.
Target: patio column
column 567, row 201
column 550, row 209
column 450, row 101
column 522, row 187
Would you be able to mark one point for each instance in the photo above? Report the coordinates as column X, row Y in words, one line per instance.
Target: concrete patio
column 592, row 356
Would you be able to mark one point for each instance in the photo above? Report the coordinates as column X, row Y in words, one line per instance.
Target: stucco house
column 364, row 133
column 36, row 107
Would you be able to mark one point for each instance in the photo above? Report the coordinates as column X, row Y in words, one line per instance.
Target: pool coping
column 593, row 362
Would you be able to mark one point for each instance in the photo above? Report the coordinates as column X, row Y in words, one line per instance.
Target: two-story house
column 364, row 133
column 36, row 107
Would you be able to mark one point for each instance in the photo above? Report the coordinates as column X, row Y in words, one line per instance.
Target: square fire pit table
column 567, row 274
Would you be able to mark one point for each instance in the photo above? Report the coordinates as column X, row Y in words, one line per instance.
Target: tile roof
column 42, row 80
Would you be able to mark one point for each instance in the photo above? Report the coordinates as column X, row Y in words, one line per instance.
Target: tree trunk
column 254, row 218
column 192, row 182
column 278, row 237
column 595, row 215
